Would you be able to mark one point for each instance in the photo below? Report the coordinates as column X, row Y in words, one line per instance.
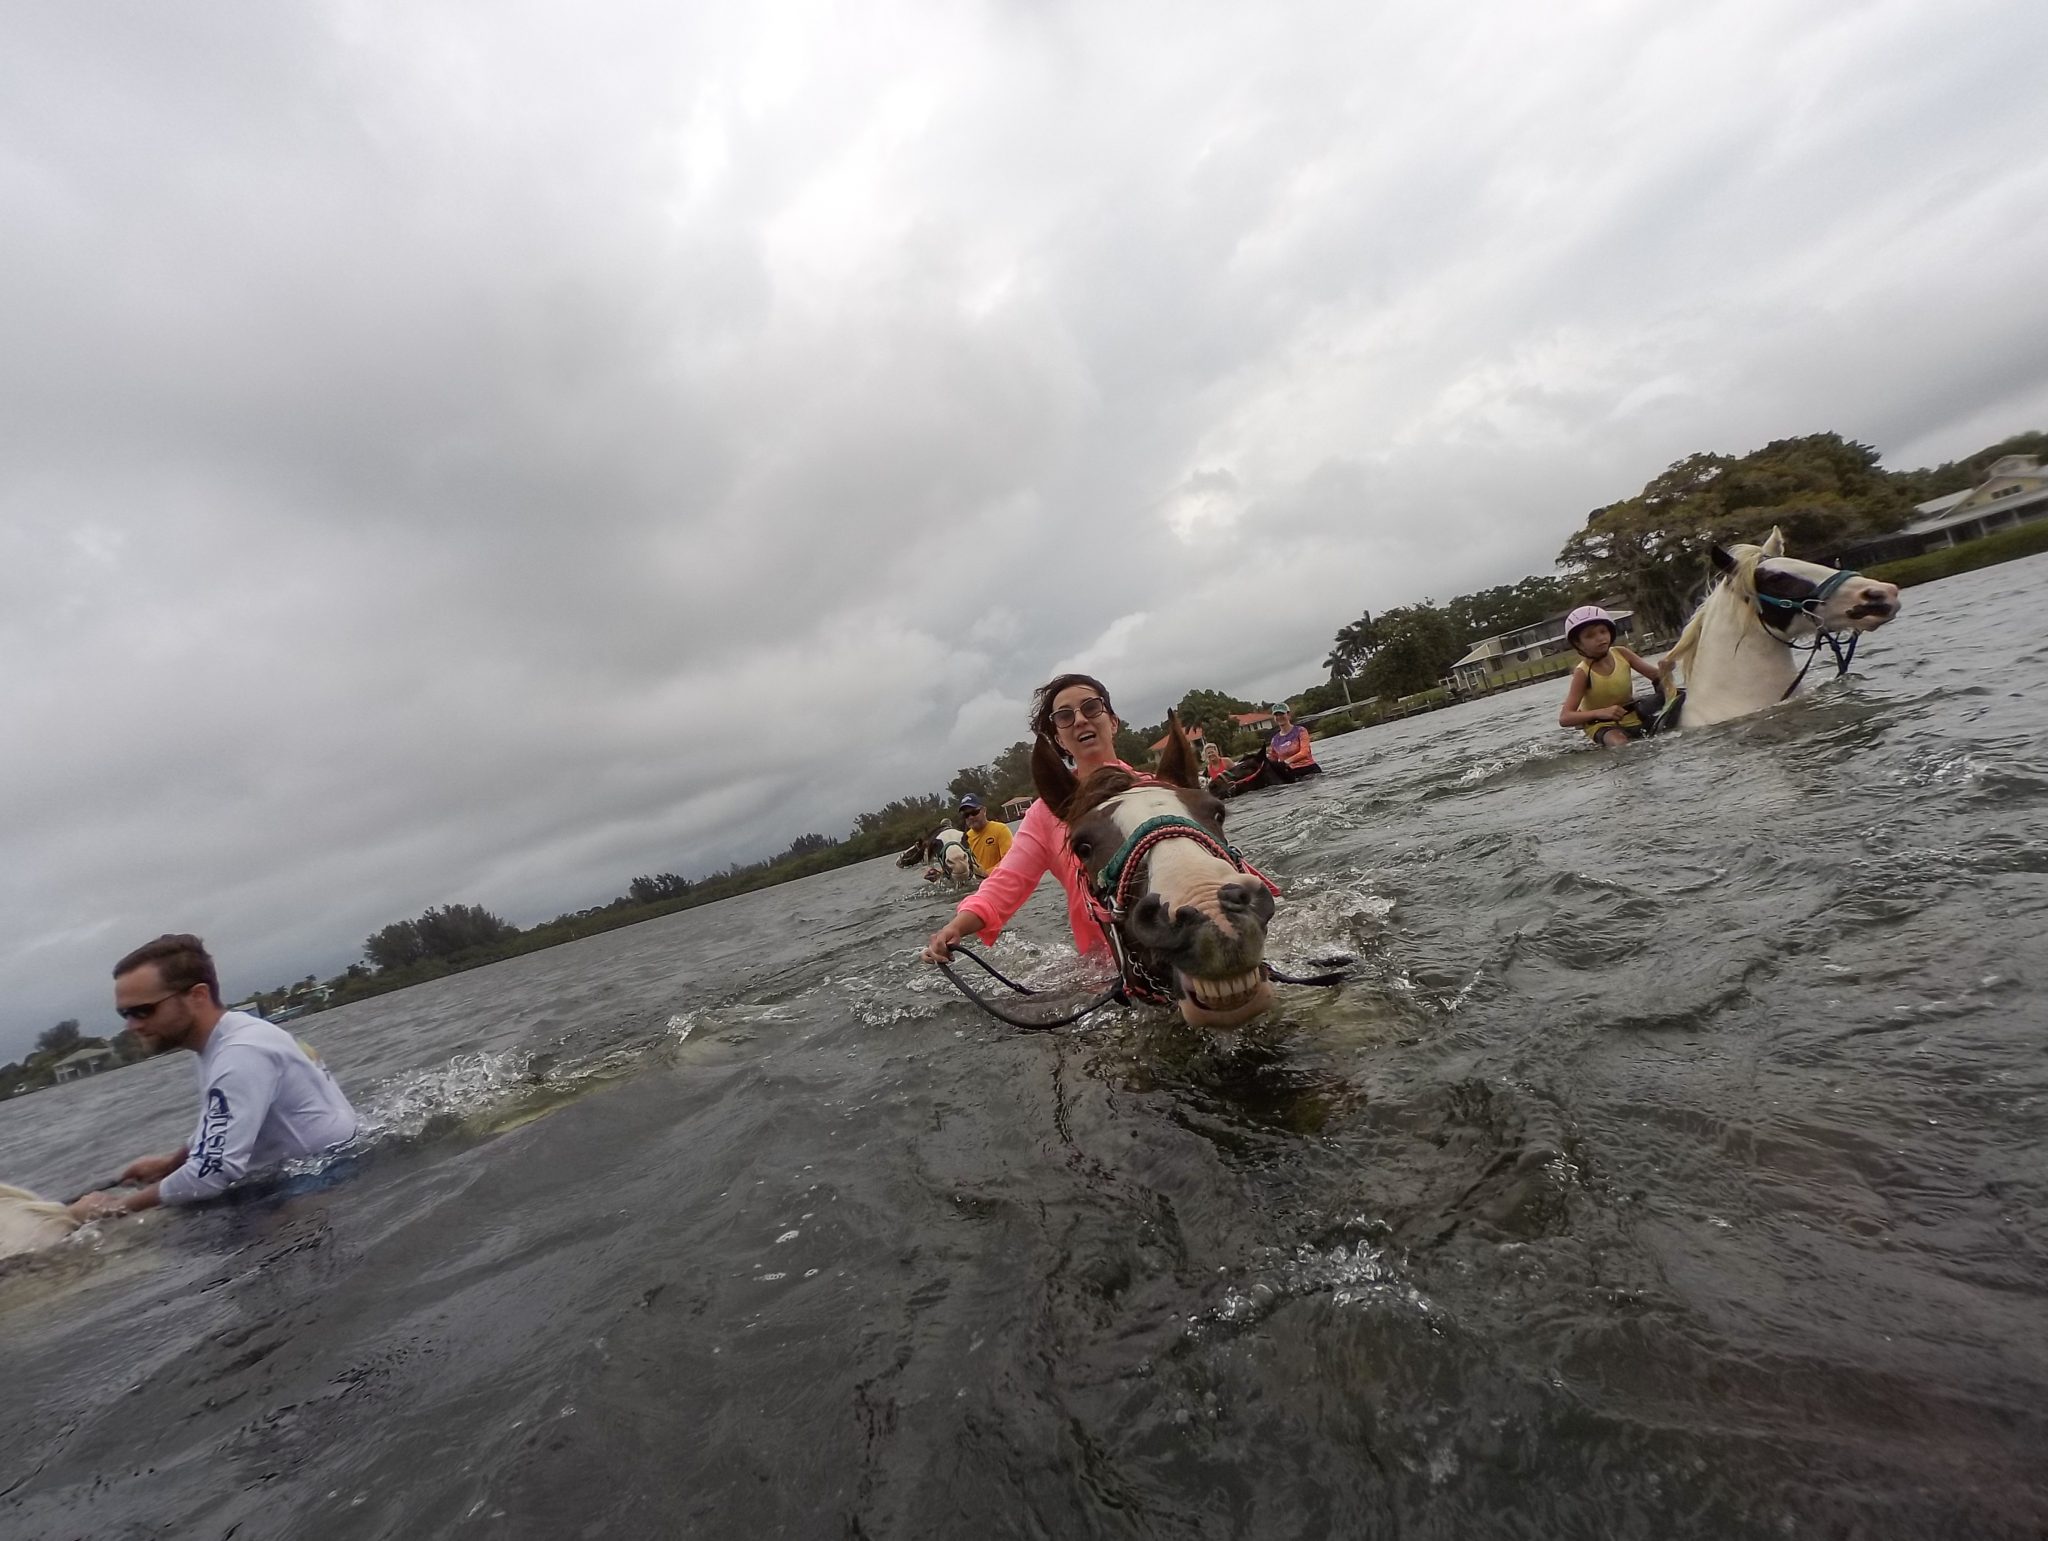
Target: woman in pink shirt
column 1074, row 728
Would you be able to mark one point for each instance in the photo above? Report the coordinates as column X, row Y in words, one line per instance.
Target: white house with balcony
column 2014, row 492
column 1490, row 659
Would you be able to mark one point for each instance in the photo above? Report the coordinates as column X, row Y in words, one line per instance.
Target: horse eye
column 1083, row 847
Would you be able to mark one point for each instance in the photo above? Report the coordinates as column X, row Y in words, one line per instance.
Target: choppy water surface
column 1676, row 1167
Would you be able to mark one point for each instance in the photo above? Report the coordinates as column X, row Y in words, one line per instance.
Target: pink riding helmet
column 1586, row 615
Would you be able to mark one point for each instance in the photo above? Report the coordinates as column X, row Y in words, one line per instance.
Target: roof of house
column 1478, row 652
column 92, row 1051
column 1943, row 513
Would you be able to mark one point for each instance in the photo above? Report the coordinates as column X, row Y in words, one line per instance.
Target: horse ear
column 1723, row 562
column 1177, row 760
column 1774, row 543
column 1052, row 777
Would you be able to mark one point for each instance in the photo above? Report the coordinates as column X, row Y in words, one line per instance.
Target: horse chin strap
column 1810, row 607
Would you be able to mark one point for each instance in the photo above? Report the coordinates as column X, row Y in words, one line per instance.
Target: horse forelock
column 1740, row 581
column 1106, row 784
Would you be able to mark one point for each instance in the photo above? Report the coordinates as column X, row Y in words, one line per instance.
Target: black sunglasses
column 1091, row 708
column 146, row 1010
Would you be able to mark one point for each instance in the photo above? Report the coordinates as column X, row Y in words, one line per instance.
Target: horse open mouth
column 1873, row 610
column 1224, row 1002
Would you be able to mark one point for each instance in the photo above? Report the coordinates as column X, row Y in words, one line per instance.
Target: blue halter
column 1810, row 607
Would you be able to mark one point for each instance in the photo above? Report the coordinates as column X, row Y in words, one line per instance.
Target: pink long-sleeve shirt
column 1040, row 847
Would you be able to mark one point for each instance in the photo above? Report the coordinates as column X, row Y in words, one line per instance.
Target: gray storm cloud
column 448, row 459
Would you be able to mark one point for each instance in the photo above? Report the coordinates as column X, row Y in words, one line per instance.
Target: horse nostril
column 1234, row 896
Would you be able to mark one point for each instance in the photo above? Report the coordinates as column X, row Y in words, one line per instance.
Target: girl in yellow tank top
column 1601, row 699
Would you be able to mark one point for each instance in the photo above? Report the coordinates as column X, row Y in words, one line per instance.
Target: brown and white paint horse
column 1740, row 651
column 1188, row 915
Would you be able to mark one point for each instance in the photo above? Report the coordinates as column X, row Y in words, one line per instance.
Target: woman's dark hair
column 1043, row 698
column 1053, row 778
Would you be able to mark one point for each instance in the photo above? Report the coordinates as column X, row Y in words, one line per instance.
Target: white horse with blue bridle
column 1742, row 650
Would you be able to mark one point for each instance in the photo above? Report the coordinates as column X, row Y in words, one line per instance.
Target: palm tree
column 1354, row 645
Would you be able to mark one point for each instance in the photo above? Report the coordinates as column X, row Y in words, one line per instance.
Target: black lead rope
column 1843, row 656
column 1029, row 1024
column 1337, row 971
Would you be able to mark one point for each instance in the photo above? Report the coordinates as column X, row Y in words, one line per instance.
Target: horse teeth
column 1223, row 994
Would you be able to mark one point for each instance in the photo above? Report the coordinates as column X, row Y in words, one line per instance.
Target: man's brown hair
column 182, row 960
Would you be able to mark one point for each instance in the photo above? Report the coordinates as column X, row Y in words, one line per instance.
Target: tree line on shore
column 1651, row 550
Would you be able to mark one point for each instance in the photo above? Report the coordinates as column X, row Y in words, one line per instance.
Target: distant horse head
column 1739, row 650
column 950, row 855
column 1189, row 914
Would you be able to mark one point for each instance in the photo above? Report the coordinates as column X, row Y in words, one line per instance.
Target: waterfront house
column 2014, row 492
column 84, row 1062
column 1195, row 737
column 1490, row 658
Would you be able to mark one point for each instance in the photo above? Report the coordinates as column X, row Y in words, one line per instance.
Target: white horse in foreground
column 28, row 1224
column 1742, row 650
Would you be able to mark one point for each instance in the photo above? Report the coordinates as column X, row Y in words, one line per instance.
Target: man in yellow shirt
column 987, row 838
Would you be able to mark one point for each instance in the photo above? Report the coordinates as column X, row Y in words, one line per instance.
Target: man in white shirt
column 263, row 1098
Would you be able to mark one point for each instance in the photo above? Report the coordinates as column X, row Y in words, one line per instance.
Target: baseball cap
column 969, row 803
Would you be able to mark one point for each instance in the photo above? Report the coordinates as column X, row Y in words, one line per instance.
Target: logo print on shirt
column 213, row 1132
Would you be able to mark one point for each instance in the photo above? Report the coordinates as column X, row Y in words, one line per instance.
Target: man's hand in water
column 97, row 1206
column 149, row 1169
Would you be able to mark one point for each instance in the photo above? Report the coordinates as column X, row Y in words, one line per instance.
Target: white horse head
column 28, row 1224
column 951, row 857
column 1741, row 651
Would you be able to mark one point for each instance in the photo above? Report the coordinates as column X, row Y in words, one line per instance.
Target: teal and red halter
column 1110, row 891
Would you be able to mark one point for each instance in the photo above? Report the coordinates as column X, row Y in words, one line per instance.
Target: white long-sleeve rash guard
column 263, row 1099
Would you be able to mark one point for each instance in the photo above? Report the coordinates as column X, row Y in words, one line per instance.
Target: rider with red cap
column 1601, row 699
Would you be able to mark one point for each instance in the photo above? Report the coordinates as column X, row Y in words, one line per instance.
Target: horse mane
column 1739, row 581
column 27, row 1222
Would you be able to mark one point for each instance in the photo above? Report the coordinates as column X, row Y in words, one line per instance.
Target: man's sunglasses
column 146, row 1010
column 1091, row 708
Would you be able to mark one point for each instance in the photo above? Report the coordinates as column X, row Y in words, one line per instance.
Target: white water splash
column 1350, row 1276
column 467, row 1084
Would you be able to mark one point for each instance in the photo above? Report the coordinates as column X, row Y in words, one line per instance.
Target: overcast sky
column 480, row 453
